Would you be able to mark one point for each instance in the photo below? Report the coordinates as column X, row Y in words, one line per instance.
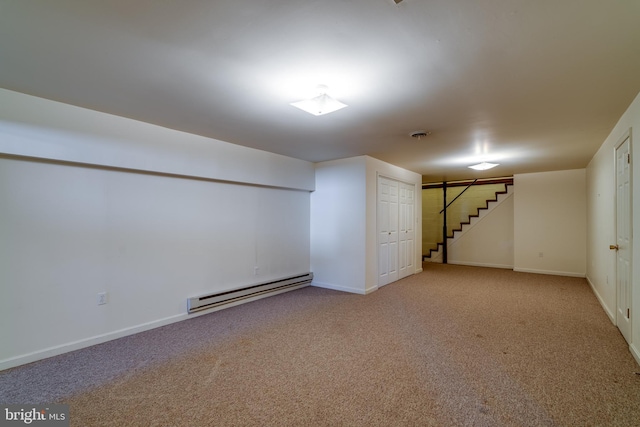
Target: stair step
column 460, row 228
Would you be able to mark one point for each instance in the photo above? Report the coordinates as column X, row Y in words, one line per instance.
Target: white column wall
column 338, row 212
column 344, row 248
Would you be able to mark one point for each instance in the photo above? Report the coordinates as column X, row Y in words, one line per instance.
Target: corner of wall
column 610, row 314
column 351, row 290
column 635, row 352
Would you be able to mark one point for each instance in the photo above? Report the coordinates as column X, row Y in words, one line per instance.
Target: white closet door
column 407, row 233
column 396, row 230
column 387, row 230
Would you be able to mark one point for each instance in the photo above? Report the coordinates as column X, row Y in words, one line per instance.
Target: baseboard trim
column 550, row 272
column 340, row 288
column 481, row 264
column 604, row 306
column 371, row 289
column 23, row 359
column 635, row 353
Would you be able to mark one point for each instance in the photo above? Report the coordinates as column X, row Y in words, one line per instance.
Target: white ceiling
column 534, row 85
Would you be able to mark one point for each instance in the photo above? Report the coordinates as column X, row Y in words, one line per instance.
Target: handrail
column 456, row 198
column 435, row 220
column 481, row 181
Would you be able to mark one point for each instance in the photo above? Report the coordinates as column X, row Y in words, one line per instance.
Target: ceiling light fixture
column 321, row 104
column 483, row 166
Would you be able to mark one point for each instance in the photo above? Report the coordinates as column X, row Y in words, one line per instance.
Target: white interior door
column 623, row 238
column 406, row 237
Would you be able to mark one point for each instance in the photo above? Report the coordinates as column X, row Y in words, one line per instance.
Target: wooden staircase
column 459, row 227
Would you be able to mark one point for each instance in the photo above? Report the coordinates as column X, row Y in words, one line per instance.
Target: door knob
column 614, row 247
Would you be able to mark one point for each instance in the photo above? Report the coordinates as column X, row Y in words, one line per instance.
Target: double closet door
column 396, row 230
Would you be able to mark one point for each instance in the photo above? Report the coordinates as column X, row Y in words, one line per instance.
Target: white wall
column 601, row 220
column 550, row 219
column 187, row 215
column 344, row 222
column 488, row 240
column 601, row 228
column 338, row 234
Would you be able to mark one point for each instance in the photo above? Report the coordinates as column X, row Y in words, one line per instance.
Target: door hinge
column 628, row 158
column 628, row 314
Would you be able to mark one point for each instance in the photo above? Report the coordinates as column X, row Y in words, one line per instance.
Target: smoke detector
column 419, row 134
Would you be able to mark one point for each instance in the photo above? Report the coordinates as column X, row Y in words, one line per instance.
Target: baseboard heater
column 265, row 289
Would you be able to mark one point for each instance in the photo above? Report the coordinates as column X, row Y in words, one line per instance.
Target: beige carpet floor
column 452, row 346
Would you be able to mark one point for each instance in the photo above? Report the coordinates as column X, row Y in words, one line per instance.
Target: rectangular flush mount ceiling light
column 483, row 166
column 321, row 104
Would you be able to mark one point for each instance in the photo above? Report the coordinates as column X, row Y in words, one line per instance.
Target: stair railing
column 445, row 232
column 456, row 198
column 444, row 220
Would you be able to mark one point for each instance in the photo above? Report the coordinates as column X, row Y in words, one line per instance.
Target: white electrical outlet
column 256, row 270
column 102, row 298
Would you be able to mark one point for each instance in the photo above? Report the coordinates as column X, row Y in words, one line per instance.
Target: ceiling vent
column 419, row 133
